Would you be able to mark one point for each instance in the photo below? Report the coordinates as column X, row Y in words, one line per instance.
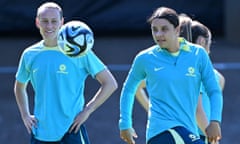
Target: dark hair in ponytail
column 185, row 27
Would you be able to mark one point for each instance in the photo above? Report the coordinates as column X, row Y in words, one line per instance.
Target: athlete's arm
column 201, row 116
column 108, row 86
column 221, row 80
column 141, row 95
column 23, row 105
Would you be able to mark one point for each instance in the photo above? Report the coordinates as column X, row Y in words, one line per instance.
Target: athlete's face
column 164, row 33
column 49, row 22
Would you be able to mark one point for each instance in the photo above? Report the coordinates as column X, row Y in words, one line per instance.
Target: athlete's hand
column 79, row 120
column 213, row 132
column 128, row 135
column 29, row 122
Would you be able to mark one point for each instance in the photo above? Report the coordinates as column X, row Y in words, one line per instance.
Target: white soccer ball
column 75, row 38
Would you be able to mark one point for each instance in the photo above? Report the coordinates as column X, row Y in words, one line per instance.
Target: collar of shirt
column 183, row 46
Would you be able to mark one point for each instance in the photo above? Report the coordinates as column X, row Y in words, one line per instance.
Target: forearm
column 201, row 116
column 108, row 86
column 104, row 92
column 202, row 121
column 21, row 99
column 216, row 102
column 126, row 106
column 142, row 98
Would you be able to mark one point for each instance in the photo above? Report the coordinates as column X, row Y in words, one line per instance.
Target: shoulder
column 32, row 51
column 148, row 51
column 198, row 50
column 90, row 54
column 191, row 47
column 195, row 47
column 35, row 47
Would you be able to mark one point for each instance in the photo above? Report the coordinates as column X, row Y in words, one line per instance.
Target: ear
column 201, row 41
column 177, row 29
column 62, row 21
column 37, row 22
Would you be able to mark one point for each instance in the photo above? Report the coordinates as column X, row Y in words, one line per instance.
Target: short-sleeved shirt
column 58, row 83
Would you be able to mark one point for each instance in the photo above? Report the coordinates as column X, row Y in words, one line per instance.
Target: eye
column 44, row 21
column 154, row 29
column 54, row 21
column 164, row 29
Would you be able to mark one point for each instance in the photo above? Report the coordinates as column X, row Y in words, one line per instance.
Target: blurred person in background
column 202, row 35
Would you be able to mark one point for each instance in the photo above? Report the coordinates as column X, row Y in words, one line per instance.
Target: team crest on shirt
column 62, row 69
column 191, row 72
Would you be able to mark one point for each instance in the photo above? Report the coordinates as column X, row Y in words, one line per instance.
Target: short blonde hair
column 49, row 5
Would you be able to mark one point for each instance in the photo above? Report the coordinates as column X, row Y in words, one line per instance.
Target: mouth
column 160, row 40
column 49, row 31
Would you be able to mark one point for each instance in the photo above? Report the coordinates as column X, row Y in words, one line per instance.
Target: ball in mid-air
column 75, row 38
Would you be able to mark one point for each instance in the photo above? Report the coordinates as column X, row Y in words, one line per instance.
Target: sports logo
column 191, row 72
column 62, row 69
column 158, row 68
column 193, row 137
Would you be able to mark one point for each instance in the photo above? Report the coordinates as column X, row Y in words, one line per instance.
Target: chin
column 50, row 36
column 161, row 45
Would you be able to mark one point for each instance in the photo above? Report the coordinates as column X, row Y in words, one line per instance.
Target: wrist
column 215, row 121
column 89, row 109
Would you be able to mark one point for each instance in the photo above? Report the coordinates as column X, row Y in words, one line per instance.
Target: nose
column 49, row 25
column 158, row 33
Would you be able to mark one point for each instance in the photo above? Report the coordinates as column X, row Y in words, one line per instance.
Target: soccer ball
column 75, row 38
